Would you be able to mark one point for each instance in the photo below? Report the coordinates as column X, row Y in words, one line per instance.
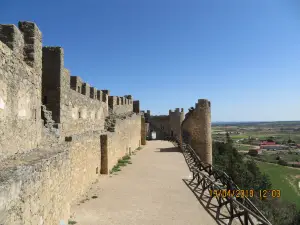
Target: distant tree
column 282, row 162
column 228, row 138
column 270, row 139
column 247, row 175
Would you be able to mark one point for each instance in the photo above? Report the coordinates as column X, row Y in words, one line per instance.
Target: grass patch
column 72, row 222
column 121, row 163
column 283, row 178
column 115, row 169
column 139, row 148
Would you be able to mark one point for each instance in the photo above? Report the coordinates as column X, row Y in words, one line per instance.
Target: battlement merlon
column 203, row 103
column 25, row 42
column 112, row 101
column 86, row 89
column 136, row 106
column 52, row 78
column 122, row 100
column 100, row 95
column 32, row 44
column 105, row 94
column 76, row 83
column 13, row 38
column 93, row 92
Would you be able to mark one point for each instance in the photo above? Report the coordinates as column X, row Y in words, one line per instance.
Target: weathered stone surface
column 197, row 126
column 51, row 126
column 20, row 98
column 175, row 119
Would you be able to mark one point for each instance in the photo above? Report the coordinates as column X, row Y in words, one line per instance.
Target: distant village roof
column 268, row 143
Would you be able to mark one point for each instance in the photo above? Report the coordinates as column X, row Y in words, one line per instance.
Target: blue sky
column 244, row 56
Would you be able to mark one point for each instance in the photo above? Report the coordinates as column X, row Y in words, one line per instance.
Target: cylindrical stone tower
column 203, row 112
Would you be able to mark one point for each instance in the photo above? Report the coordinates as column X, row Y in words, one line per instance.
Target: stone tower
column 203, row 112
column 197, row 127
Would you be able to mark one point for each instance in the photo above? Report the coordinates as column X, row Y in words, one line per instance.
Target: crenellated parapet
column 20, row 87
column 32, row 76
column 25, row 41
column 120, row 105
column 51, row 125
column 76, row 83
column 136, row 106
column 75, row 105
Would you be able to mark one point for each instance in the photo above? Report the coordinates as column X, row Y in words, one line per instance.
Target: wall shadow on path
column 170, row 149
column 205, row 200
column 209, row 204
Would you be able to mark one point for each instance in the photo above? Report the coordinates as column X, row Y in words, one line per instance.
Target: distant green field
column 280, row 136
column 283, row 178
column 271, row 156
column 236, row 137
column 242, row 147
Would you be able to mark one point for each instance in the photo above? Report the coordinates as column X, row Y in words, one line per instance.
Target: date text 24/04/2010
column 245, row 193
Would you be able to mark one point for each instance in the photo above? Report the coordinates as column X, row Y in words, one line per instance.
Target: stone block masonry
column 69, row 98
column 175, row 120
column 120, row 105
column 194, row 128
column 143, row 131
column 125, row 138
column 20, row 88
column 197, row 129
column 52, row 145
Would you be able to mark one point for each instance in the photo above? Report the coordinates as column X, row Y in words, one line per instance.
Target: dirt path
column 150, row 191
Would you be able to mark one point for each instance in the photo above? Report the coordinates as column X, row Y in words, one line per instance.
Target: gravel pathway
column 150, row 191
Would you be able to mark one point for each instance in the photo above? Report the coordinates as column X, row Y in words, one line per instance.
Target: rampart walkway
column 150, row 191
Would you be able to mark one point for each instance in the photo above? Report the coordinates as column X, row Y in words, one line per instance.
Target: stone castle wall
column 20, row 88
column 44, row 184
column 125, row 139
column 120, row 105
column 175, row 120
column 75, row 111
column 52, row 124
column 160, row 124
column 167, row 124
column 36, row 189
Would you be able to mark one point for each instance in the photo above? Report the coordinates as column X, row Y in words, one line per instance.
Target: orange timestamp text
column 243, row 193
